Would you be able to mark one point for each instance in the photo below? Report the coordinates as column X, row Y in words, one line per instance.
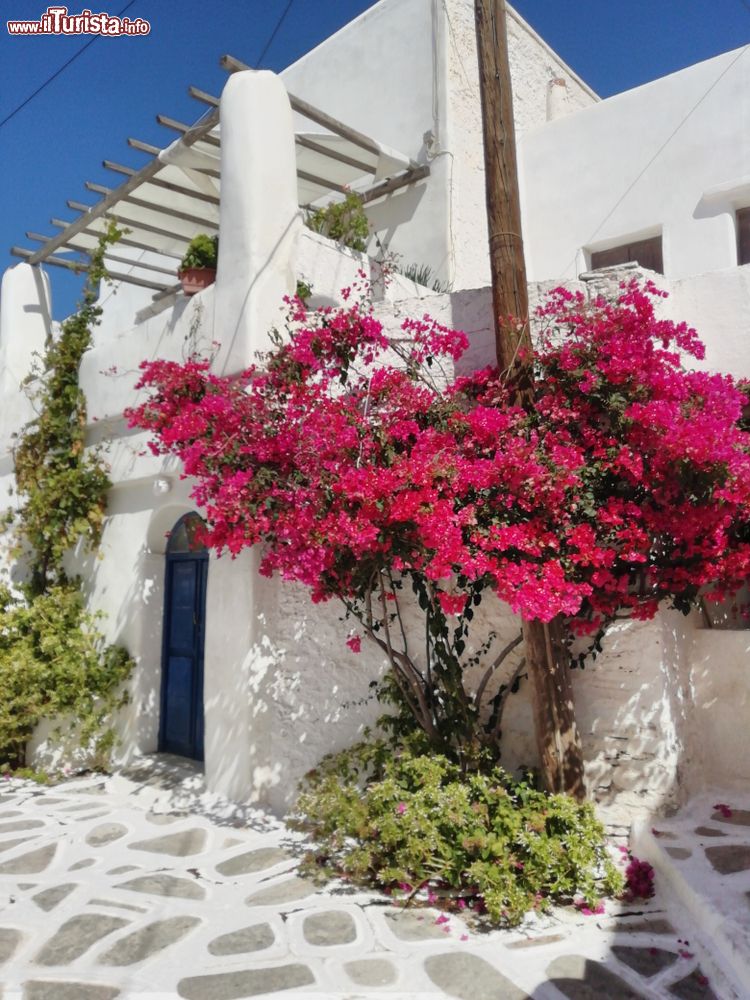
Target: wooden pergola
column 176, row 194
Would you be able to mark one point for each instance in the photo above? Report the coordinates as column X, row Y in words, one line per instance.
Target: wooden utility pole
column 547, row 659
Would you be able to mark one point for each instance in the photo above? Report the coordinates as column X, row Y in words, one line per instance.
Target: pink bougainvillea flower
column 354, row 642
column 724, row 809
column 401, row 809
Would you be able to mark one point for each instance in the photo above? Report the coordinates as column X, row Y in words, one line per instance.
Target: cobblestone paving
column 103, row 897
column 704, row 852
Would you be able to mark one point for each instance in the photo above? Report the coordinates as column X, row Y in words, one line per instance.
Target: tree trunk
column 558, row 742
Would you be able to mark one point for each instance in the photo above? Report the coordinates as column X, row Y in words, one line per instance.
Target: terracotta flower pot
column 195, row 279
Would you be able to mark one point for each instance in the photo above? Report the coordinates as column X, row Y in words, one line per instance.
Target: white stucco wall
column 411, row 75
column 671, row 156
column 281, row 686
column 543, row 86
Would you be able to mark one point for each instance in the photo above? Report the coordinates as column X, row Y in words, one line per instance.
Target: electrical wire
column 274, row 33
column 57, row 72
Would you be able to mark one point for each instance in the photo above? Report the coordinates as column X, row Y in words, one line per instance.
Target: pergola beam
column 183, row 129
column 126, row 188
column 334, row 154
column 232, row 65
column 154, row 207
column 210, row 199
column 70, row 245
column 115, row 214
column 201, row 95
column 394, row 183
column 78, row 267
column 124, row 241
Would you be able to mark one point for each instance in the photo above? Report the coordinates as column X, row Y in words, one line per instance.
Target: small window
column 647, row 253
column 187, row 536
column 743, row 235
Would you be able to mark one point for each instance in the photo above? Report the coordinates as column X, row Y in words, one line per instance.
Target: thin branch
column 398, row 613
column 493, row 736
column 497, row 662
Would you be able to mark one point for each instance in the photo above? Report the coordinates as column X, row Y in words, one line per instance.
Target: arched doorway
column 186, row 572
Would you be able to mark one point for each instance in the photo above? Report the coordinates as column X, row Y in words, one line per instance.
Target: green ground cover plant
column 53, row 659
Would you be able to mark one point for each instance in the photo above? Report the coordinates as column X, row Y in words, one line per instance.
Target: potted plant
column 198, row 267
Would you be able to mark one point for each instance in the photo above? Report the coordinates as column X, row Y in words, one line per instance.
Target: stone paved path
column 702, row 859
column 103, row 894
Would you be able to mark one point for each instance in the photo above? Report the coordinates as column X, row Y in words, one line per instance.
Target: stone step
column 701, row 860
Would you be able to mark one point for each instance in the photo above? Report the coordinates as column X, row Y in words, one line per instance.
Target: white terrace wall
column 670, row 157
column 405, row 72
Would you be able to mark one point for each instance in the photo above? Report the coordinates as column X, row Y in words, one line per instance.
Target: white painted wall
column 410, row 68
column 671, row 156
column 281, row 686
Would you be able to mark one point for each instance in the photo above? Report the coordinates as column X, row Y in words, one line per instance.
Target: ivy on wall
column 53, row 659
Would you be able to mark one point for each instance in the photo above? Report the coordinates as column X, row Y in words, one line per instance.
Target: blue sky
column 114, row 89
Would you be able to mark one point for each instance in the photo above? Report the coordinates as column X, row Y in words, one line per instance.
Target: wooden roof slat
column 233, row 65
column 153, row 206
column 201, row 95
column 183, row 129
column 71, row 245
column 130, row 223
column 77, row 266
column 210, row 199
column 125, row 241
column 152, row 167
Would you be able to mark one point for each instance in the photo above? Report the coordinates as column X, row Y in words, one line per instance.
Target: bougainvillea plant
column 364, row 467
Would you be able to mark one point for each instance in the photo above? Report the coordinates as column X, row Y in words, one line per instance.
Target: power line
column 57, row 72
column 274, row 33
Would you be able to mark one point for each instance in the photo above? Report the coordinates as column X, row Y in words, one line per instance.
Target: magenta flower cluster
column 346, row 455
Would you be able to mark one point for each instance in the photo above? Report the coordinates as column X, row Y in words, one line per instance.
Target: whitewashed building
column 389, row 105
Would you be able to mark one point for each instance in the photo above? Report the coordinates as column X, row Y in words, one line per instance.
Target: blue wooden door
column 181, row 730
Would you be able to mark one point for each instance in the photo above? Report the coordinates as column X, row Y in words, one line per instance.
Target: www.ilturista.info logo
column 57, row 21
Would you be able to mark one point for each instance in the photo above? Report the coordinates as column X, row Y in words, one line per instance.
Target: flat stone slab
column 20, row 824
column 178, row 845
column 8, row 845
column 252, row 861
column 693, row 987
column 10, row 938
column 729, row 858
column 644, row 961
column 536, row 942
column 165, row 885
column 48, row 899
column 246, row 983
column 288, row 891
column 739, row 817
column 83, row 863
column 679, row 853
column 38, row 990
column 30, row 863
column 105, row 833
column 371, row 972
column 241, row 942
column 469, row 977
column 709, row 831
column 407, row 925
column 581, row 978
column 649, row 925
column 76, row 936
column 149, row 940
column 331, row 927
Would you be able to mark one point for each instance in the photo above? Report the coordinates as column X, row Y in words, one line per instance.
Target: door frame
column 197, row 707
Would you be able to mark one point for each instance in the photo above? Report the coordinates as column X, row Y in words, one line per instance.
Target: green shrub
column 406, row 819
column 202, row 251
column 343, row 221
column 54, row 662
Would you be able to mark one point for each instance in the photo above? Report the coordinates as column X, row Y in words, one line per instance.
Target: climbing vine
column 53, row 659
